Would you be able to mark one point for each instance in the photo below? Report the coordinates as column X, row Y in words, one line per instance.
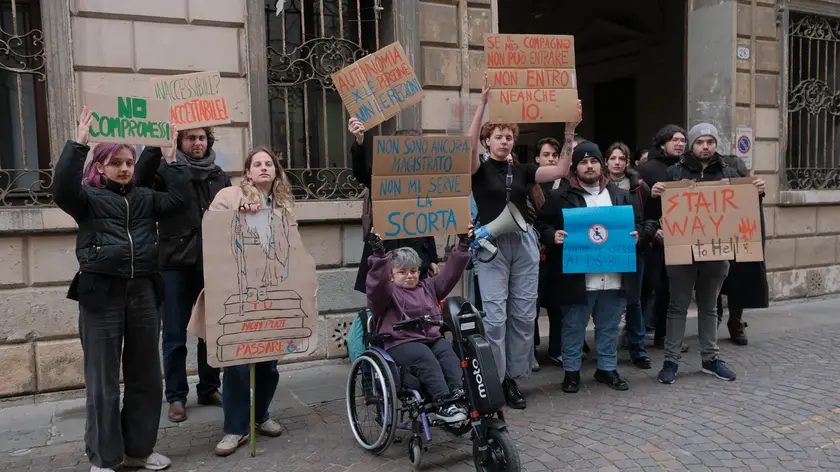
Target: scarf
column 199, row 168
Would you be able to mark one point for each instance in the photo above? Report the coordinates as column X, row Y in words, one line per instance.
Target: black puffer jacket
column 180, row 234
column 117, row 224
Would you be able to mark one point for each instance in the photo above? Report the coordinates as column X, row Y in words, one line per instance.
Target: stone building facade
column 275, row 70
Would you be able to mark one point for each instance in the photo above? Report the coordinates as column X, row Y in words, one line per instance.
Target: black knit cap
column 584, row 150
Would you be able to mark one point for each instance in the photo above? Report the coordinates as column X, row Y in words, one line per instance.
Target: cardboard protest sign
column 379, row 86
column 599, row 240
column 532, row 78
column 256, row 307
column 711, row 221
column 129, row 120
column 195, row 100
column 421, row 185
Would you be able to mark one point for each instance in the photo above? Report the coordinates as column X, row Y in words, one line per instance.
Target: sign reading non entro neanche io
column 532, row 78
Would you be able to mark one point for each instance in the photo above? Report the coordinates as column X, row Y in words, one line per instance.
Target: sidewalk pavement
column 46, row 432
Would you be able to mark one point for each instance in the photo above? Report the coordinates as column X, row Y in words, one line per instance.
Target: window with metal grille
column 307, row 41
column 25, row 175
column 813, row 148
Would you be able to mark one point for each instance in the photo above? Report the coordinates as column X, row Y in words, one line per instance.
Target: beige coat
column 229, row 198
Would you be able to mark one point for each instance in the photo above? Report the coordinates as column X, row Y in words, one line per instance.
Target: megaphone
column 509, row 221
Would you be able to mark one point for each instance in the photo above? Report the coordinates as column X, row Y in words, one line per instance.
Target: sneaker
column 459, row 393
column 93, row 468
column 571, row 382
column 719, row 369
column 155, row 461
column 513, row 397
column 668, row 374
column 643, row 363
column 230, row 443
column 451, row 414
column 270, row 428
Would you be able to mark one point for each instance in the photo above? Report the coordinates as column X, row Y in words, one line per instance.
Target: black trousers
column 434, row 364
column 125, row 327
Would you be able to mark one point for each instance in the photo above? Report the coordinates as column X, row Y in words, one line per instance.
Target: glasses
column 679, row 140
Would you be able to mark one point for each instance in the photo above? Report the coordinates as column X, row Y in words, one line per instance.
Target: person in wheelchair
column 396, row 293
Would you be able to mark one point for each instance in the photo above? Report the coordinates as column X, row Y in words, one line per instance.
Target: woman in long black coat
column 746, row 286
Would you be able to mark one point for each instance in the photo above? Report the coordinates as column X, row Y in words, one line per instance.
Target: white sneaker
column 93, row 468
column 230, row 443
column 451, row 414
column 270, row 428
column 155, row 461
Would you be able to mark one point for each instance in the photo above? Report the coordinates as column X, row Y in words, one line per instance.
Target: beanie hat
column 700, row 130
column 584, row 150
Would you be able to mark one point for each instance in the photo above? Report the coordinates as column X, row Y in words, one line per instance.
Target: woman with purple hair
column 119, row 290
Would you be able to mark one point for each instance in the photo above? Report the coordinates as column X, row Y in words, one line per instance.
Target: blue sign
column 599, row 240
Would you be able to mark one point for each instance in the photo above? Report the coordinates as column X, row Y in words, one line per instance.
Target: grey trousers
column 127, row 329
column 706, row 279
column 509, row 298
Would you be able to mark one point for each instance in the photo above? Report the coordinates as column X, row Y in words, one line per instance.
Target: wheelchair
column 391, row 398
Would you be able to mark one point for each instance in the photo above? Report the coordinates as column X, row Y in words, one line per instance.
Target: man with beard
column 701, row 164
column 181, row 265
column 604, row 295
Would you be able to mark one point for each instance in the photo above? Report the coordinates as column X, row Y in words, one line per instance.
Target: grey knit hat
column 700, row 130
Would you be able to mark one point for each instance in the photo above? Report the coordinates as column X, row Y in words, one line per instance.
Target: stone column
column 710, row 66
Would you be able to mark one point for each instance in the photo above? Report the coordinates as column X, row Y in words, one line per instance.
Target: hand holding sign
column 635, row 235
column 657, row 190
column 485, row 90
column 83, row 131
column 572, row 125
column 358, row 129
column 170, row 151
column 761, row 185
column 560, row 236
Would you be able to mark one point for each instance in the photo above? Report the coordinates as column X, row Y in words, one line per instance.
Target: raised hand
column 485, row 90
column 169, row 152
column 83, row 130
column 358, row 129
column 376, row 243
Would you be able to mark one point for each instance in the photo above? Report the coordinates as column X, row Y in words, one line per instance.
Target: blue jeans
column 181, row 289
column 236, row 394
column 606, row 307
column 635, row 319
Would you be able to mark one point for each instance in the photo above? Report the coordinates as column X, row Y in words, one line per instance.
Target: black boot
column 571, row 383
column 611, row 379
column 513, row 397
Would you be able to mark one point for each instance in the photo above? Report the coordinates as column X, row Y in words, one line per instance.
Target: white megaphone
column 508, row 222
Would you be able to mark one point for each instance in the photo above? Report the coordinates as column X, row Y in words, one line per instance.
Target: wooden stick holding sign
column 532, row 78
column 421, row 185
column 128, row 120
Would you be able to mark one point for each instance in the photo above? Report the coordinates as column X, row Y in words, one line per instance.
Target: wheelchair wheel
column 503, row 454
column 371, row 399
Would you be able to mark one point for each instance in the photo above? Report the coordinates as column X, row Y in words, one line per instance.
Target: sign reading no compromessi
column 128, row 120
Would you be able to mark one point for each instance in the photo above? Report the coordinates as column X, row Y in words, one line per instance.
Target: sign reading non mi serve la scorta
column 196, row 100
column 128, row 120
column 421, row 185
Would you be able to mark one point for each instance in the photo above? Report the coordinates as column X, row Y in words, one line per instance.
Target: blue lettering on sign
column 421, row 223
column 399, row 93
column 414, row 186
column 442, row 184
column 387, row 146
column 421, row 164
column 390, row 187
